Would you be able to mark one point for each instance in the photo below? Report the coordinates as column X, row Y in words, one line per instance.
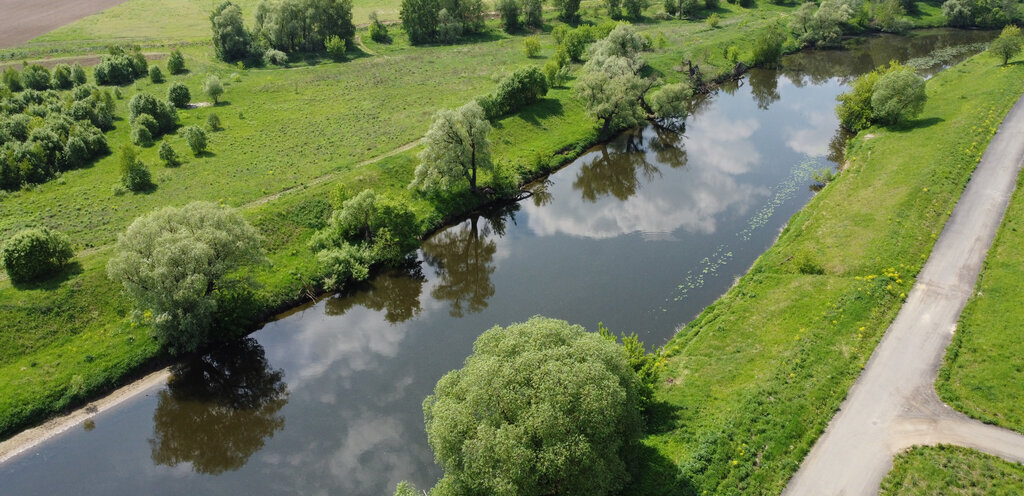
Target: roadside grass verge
column 752, row 382
column 983, row 373
column 952, row 471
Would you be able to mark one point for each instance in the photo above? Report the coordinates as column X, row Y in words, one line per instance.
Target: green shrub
column 378, row 30
column 141, row 135
column 156, row 75
column 167, row 154
column 768, row 46
column 213, row 122
column 175, row 62
column 77, row 74
column 178, row 95
column 523, row 87
column 335, row 46
column 576, row 41
column 12, row 79
column 275, row 57
column 213, row 88
column 713, row 21
column 36, row 77
column 1008, row 45
column 196, row 139
column 134, row 173
column 120, row 66
column 531, row 46
column 898, row 95
column 60, row 79
column 33, row 254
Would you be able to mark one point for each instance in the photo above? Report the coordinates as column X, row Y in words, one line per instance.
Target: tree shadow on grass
column 546, row 107
column 908, row 126
column 655, row 474
column 70, row 270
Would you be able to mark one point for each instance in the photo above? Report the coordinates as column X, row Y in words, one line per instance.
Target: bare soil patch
column 23, row 20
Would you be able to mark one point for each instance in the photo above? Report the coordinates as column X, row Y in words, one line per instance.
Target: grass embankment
column 752, row 382
column 952, row 471
column 983, row 374
column 305, row 131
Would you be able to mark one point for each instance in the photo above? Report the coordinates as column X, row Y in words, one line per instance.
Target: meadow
column 952, row 471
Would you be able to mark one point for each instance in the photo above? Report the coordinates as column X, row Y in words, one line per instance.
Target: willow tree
column 457, row 148
column 173, row 260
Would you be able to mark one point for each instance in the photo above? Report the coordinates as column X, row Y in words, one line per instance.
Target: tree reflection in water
column 396, row 292
column 615, row 170
column 218, row 409
column 464, row 259
column 764, row 86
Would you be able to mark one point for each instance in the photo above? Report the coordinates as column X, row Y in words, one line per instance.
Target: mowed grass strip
column 983, row 374
column 753, row 381
column 952, row 471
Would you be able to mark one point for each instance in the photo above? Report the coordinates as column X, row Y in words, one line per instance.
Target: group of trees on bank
column 281, row 27
column 887, row 95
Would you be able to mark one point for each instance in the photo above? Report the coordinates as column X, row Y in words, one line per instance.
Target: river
column 640, row 234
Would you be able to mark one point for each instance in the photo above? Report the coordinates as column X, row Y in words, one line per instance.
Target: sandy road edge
column 30, row 438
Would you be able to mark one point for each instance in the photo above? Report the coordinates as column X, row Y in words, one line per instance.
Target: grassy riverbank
column 983, row 375
column 291, row 137
column 952, row 471
column 753, row 381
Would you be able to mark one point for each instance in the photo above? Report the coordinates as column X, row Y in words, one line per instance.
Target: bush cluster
column 150, row 118
column 523, row 87
column 43, row 133
column 981, row 13
column 33, row 254
column 429, row 21
column 121, row 65
column 367, row 230
column 887, row 95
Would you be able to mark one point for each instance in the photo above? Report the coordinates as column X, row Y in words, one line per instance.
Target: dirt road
column 893, row 404
column 22, row 20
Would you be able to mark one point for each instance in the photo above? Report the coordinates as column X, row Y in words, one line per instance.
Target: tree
column 897, row 96
column 230, row 38
column 419, row 19
column 12, row 79
column 540, row 407
column 213, row 121
column 509, row 12
column 34, row 254
column 175, row 62
column 213, row 88
column 178, row 95
column 60, row 79
column 167, row 154
column 531, row 46
column 614, row 8
column 77, row 74
column 634, row 8
column 526, row 85
column 609, row 85
column 171, row 262
column 378, row 30
column 1008, row 44
column 457, row 146
column 768, row 46
column 569, row 11
column 196, row 139
column 335, row 47
column 449, row 28
column 134, row 173
column 156, row 75
column 533, row 13
column 36, row 77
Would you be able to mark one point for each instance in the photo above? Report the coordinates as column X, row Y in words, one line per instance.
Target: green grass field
column 983, row 375
column 952, row 471
column 752, row 382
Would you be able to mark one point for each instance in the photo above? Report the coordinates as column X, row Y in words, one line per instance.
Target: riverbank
column 751, row 383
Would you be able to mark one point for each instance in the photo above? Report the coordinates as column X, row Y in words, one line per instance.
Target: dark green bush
column 378, row 30
column 156, row 75
column 33, row 254
column 175, row 62
column 523, row 87
column 120, row 66
column 134, row 173
column 36, row 77
column 60, row 79
column 178, row 95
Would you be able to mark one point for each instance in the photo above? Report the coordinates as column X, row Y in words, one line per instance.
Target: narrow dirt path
column 359, row 43
column 893, row 404
column 406, row 147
